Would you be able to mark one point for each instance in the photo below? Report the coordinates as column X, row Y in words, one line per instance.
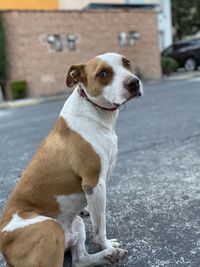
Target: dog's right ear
column 76, row 74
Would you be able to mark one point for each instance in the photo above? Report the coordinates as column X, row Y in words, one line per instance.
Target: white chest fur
column 95, row 126
column 70, row 206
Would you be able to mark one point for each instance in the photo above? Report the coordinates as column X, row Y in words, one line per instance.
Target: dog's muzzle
column 132, row 84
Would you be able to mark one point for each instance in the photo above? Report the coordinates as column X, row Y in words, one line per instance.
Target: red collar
column 83, row 94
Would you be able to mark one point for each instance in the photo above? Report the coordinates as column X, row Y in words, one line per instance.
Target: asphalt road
column 154, row 194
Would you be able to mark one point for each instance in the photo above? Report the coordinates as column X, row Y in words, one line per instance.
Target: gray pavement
column 154, row 193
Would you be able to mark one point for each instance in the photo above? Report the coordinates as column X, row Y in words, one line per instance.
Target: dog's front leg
column 96, row 199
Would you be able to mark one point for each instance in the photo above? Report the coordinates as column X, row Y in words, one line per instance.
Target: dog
column 41, row 219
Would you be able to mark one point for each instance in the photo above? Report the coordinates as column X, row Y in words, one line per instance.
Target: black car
column 186, row 53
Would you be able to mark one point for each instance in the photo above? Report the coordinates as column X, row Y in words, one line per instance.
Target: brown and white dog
column 41, row 219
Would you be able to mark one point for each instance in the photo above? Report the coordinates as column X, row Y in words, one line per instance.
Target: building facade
column 80, row 4
column 49, row 4
column 164, row 18
column 163, row 11
column 42, row 45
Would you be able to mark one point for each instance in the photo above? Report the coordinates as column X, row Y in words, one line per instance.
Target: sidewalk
column 177, row 76
column 182, row 75
column 31, row 101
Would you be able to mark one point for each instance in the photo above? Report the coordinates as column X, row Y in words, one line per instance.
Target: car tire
column 191, row 64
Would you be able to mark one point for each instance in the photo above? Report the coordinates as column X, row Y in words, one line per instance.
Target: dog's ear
column 76, row 74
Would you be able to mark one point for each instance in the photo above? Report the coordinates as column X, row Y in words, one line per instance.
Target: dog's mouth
column 135, row 95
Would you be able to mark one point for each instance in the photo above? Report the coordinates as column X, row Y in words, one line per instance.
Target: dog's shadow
column 68, row 259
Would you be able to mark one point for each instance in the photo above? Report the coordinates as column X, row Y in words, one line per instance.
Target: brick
column 29, row 58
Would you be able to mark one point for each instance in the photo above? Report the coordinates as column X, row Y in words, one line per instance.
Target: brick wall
column 29, row 56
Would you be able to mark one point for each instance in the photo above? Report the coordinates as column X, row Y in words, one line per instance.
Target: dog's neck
column 83, row 94
column 78, row 106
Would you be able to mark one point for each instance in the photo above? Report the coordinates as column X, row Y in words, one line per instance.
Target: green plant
column 169, row 65
column 19, row 89
column 2, row 54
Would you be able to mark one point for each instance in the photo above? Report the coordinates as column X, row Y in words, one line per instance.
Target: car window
column 180, row 46
column 195, row 41
column 168, row 51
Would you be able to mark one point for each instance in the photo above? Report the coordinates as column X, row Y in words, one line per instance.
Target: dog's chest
column 94, row 127
column 103, row 141
column 70, row 206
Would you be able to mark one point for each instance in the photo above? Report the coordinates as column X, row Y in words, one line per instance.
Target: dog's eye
column 127, row 63
column 102, row 74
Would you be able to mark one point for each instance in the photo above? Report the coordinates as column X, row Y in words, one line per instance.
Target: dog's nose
column 132, row 84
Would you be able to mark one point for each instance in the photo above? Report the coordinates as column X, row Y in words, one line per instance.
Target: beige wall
column 153, row 1
column 29, row 56
column 79, row 4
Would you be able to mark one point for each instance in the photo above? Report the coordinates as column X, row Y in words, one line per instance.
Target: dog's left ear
column 76, row 74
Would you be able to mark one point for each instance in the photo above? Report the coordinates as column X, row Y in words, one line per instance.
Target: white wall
column 165, row 23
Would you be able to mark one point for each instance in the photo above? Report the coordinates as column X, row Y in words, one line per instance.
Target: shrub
column 2, row 54
column 19, row 89
column 169, row 65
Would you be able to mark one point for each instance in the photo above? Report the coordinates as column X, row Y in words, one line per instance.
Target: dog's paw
column 106, row 243
column 85, row 212
column 115, row 254
column 114, row 243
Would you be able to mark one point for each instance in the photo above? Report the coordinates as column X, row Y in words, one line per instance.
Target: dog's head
column 108, row 80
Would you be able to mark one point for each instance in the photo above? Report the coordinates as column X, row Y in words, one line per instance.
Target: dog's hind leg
column 80, row 257
column 32, row 242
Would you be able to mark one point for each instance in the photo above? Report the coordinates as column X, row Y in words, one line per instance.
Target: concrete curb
column 182, row 76
column 175, row 77
column 31, row 101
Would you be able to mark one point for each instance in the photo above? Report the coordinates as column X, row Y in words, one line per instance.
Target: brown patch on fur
column 88, row 189
column 88, row 75
column 27, row 215
column 41, row 244
column 95, row 84
column 61, row 165
column 76, row 74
